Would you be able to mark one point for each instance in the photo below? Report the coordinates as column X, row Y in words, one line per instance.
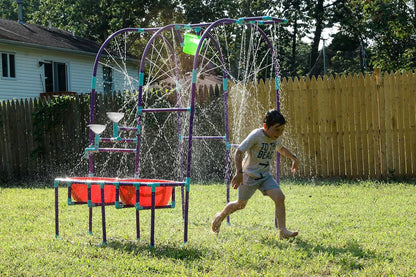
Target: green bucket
column 190, row 43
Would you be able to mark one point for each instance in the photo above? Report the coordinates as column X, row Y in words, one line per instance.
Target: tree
column 97, row 19
column 391, row 26
column 385, row 28
column 9, row 9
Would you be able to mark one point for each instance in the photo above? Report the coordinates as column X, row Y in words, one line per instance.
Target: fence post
column 377, row 74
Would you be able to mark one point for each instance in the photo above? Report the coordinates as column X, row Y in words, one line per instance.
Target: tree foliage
column 371, row 33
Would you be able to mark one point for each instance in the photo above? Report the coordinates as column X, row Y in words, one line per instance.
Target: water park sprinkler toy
column 158, row 193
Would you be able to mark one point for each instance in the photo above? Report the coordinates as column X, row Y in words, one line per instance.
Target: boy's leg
column 278, row 197
column 228, row 209
column 244, row 194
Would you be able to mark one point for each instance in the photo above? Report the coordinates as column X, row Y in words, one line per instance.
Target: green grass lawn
column 363, row 228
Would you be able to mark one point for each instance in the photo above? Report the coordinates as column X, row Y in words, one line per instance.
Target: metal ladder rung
column 159, row 110
column 205, row 137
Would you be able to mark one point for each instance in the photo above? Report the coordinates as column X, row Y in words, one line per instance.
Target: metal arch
column 141, row 80
column 94, row 75
column 246, row 21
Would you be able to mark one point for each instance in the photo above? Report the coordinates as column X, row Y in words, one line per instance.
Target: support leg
column 89, row 212
column 103, row 215
column 56, row 210
column 152, row 219
column 137, row 213
column 185, row 232
column 183, row 202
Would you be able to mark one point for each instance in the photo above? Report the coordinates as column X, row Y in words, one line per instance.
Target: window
column 107, row 79
column 56, row 76
column 8, row 65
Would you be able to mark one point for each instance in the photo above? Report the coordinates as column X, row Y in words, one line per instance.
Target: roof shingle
column 43, row 36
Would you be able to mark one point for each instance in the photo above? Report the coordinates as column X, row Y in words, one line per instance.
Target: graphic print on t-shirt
column 266, row 150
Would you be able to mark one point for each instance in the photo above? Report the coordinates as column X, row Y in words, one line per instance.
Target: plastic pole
column 103, row 214
column 56, row 210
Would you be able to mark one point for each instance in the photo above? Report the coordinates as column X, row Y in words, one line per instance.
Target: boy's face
column 274, row 131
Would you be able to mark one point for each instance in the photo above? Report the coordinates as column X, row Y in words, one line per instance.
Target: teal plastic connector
column 69, row 201
column 198, row 29
column 55, row 183
column 240, row 21
column 141, row 30
column 97, row 140
column 93, row 82
column 225, row 84
column 277, row 83
column 194, row 76
column 89, row 150
column 139, row 111
column 267, row 18
column 138, row 207
column 227, row 145
column 119, row 205
column 141, row 78
column 154, row 186
column 90, row 204
column 188, row 183
column 173, row 204
column 115, row 131
column 187, row 26
column 178, row 27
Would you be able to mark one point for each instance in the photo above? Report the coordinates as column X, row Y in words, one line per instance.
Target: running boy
column 254, row 172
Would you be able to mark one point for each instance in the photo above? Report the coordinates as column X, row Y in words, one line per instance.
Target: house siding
column 29, row 74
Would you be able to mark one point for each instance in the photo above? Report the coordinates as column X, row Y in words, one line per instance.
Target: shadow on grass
column 178, row 252
column 351, row 255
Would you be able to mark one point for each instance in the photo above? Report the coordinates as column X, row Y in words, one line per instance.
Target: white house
column 37, row 59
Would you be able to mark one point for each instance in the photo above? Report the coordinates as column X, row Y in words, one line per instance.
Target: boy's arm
column 285, row 152
column 238, row 159
column 238, row 177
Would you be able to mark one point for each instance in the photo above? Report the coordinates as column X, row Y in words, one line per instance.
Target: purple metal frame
column 249, row 21
column 158, row 33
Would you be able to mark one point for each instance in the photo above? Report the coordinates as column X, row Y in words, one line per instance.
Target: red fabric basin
column 79, row 192
column 162, row 194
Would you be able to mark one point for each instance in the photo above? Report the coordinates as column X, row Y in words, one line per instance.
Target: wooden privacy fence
column 354, row 126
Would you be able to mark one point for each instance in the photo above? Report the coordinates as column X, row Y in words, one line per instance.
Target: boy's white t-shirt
column 260, row 151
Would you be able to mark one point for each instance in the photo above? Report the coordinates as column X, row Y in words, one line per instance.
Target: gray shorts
column 250, row 185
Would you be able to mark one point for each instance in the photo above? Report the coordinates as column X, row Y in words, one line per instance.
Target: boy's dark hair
column 272, row 117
